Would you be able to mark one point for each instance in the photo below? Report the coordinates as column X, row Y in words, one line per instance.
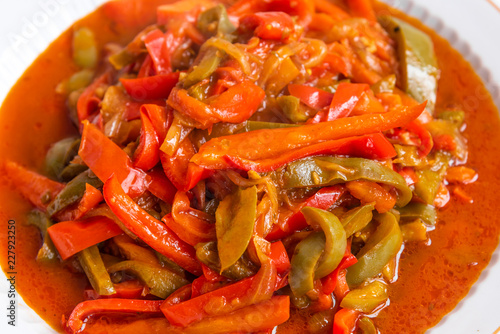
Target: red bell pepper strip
column 211, row 275
column 160, row 186
column 303, row 9
column 311, row 96
column 128, row 290
column 362, row 8
column 323, row 199
column 341, row 288
column 160, row 117
column 73, row 236
column 426, row 142
column 243, row 293
column 269, row 25
column 271, row 143
column 151, row 88
column 344, row 100
column 148, row 229
column 188, row 223
column 235, row 105
column 147, row 154
column 374, row 146
column 329, row 282
column 444, row 142
column 88, row 102
column 270, row 314
column 105, row 159
column 156, row 44
column 409, row 175
column 90, row 199
column 279, row 257
column 122, row 306
column 369, row 192
column 183, row 174
column 345, row 321
column 36, row 188
column 178, row 296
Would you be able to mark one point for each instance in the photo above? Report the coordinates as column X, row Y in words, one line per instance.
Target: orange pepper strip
column 345, row 321
column 368, row 192
column 271, row 143
column 149, row 229
column 270, row 314
column 31, row 185
column 461, row 174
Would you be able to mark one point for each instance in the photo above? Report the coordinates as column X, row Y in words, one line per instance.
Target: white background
column 28, row 26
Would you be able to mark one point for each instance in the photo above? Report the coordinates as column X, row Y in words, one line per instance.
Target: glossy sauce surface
column 432, row 279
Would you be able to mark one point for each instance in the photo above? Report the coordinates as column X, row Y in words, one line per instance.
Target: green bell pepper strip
column 290, row 105
column 457, row 117
column 208, row 64
column 59, row 155
column 48, row 251
column 356, row 219
column 217, row 14
column 427, row 185
column 367, row 298
column 408, row 156
column 427, row 213
column 366, row 326
column 304, row 260
column 256, row 125
column 208, row 255
column 235, row 219
column 380, row 248
column 85, row 53
column 73, row 192
column 335, row 235
column 419, row 68
column 91, row 262
column 161, row 281
column 325, row 171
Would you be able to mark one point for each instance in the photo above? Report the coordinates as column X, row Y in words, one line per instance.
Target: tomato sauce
column 432, row 278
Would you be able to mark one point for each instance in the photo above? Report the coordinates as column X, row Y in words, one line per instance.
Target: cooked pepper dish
column 245, row 167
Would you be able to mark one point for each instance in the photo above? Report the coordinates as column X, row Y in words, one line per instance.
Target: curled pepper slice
column 380, row 248
column 123, row 306
column 335, row 243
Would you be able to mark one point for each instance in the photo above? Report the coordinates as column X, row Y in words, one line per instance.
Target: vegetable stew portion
column 246, row 165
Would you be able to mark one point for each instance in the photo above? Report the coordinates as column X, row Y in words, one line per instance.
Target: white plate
column 472, row 26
